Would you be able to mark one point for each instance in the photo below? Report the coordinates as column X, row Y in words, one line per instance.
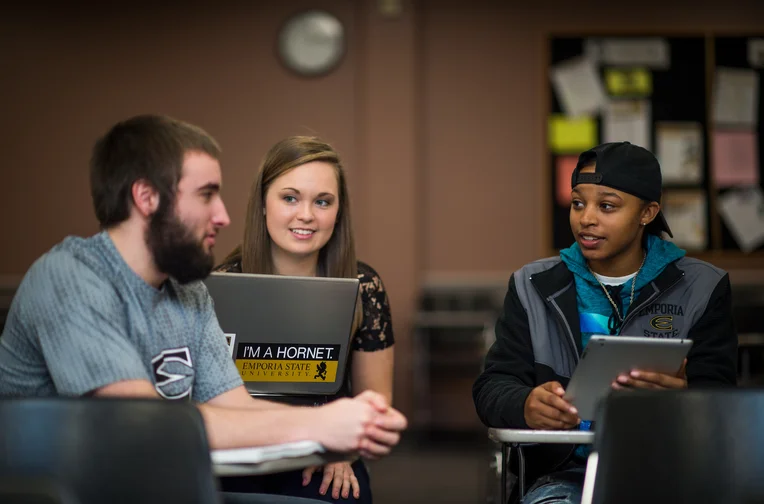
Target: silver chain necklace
column 633, row 284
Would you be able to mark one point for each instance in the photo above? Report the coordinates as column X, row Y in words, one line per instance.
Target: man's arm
column 128, row 388
column 229, row 419
column 239, row 398
column 365, row 424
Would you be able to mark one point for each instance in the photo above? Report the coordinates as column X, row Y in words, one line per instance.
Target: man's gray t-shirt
column 82, row 319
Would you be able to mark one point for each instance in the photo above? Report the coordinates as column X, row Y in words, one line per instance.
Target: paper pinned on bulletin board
column 571, row 135
column 578, row 86
column 563, row 174
column 685, row 211
column 736, row 97
column 629, row 82
column 627, row 120
column 756, row 53
column 593, row 50
column 680, row 152
column 736, row 158
column 743, row 213
column 651, row 52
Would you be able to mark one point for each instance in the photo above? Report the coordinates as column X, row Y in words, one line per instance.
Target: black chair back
column 107, row 450
column 34, row 491
column 681, row 446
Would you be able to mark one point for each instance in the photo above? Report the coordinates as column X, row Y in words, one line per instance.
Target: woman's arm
column 372, row 345
column 374, row 371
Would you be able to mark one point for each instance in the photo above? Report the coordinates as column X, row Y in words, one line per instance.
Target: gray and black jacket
column 538, row 339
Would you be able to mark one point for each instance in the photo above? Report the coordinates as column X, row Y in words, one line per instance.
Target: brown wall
column 438, row 113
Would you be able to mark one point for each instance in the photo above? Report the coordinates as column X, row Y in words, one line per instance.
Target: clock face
column 312, row 42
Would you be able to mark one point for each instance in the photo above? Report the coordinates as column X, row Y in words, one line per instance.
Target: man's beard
column 175, row 250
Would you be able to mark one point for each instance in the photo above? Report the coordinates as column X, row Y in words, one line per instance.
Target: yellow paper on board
column 571, row 134
column 628, row 81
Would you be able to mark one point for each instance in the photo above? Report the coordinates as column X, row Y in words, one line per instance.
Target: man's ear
column 145, row 197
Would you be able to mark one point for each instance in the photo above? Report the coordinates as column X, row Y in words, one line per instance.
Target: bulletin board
column 737, row 142
column 695, row 101
column 667, row 87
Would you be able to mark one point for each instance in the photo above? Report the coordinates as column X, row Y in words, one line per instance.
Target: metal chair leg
column 504, row 469
column 521, row 470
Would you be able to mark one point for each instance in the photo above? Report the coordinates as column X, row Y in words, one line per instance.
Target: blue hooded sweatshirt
column 596, row 314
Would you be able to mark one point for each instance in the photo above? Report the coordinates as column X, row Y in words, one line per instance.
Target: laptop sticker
column 274, row 362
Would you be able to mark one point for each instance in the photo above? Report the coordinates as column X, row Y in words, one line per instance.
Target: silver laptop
column 287, row 335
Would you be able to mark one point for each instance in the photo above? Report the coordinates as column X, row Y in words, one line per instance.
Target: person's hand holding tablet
column 651, row 380
column 546, row 409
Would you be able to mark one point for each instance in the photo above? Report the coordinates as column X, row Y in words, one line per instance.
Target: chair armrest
column 518, row 436
column 524, row 437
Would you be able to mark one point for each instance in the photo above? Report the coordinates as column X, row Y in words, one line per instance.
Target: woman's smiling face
column 301, row 209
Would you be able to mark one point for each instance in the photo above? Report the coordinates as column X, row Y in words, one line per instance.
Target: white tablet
column 606, row 357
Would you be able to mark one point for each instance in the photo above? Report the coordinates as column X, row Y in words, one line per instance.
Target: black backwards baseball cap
column 625, row 167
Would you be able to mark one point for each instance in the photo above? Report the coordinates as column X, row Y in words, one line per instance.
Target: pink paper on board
column 736, row 158
column 564, row 171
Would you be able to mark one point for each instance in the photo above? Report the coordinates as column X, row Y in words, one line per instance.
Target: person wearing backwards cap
column 619, row 277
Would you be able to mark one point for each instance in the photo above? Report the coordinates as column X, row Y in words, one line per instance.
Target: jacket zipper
column 561, row 316
column 649, row 300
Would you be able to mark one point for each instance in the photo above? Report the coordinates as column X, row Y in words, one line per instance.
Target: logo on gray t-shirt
column 173, row 373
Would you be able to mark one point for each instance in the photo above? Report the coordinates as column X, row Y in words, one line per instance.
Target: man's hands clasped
column 365, row 423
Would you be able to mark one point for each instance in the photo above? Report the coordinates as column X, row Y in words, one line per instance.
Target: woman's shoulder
column 366, row 273
column 369, row 278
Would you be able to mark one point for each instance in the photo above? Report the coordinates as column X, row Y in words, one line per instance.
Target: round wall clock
column 312, row 42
